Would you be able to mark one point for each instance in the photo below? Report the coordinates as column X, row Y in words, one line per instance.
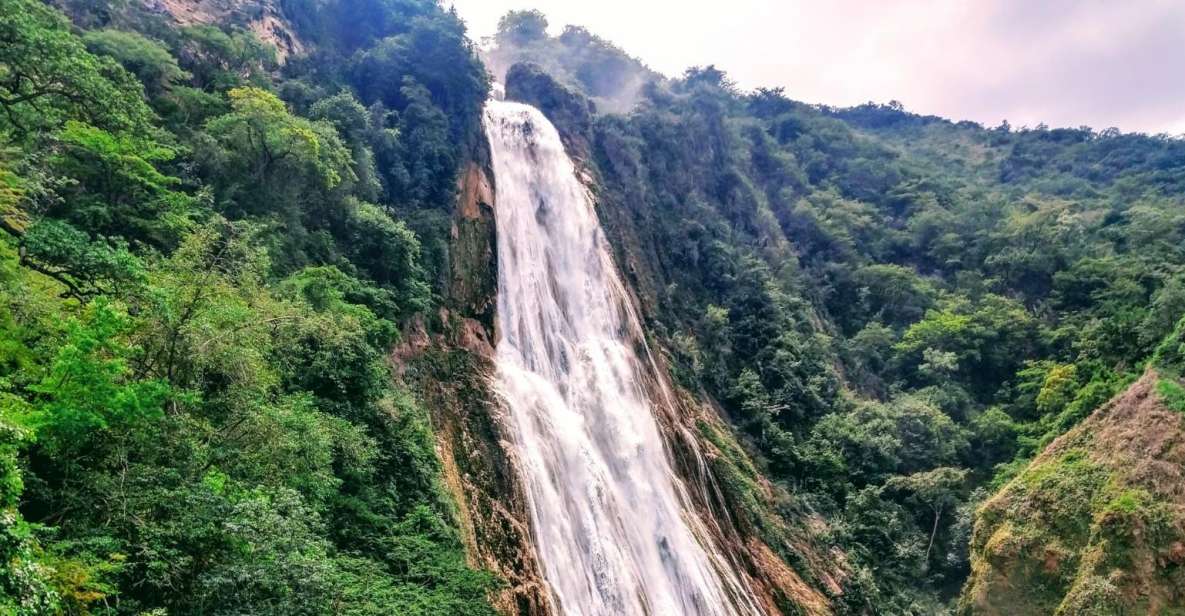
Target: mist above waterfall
column 577, row 58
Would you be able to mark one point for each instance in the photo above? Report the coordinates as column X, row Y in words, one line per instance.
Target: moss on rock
column 1095, row 525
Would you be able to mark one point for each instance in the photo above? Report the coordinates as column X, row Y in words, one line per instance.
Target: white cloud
column 1062, row 62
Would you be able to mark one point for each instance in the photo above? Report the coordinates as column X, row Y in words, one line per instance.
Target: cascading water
column 612, row 523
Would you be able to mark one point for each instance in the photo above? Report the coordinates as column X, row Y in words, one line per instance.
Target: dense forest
column 211, row 239
column 204, row 263
column 897, row 312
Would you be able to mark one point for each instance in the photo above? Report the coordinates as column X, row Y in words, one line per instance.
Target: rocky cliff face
column 452, row 370
column 1096, row 524
column 264, row 18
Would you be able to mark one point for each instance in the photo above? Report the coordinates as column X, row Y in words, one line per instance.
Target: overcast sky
column 1100, row 63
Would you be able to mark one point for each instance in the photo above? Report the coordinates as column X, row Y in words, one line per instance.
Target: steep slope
column 890, row 312
column 777, row 546
column 447, row 358
column 1096, row 524
column 265, row 20
column 204, row 263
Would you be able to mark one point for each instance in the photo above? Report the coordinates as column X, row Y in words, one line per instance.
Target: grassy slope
column 1096, row 524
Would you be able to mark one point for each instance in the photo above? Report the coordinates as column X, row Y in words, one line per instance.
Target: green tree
column 149, row 60
column 522, row 27
column 364, row 130
column 220, row 59
column 901, row 437
column 47, row 76
column 939, row 490
column 272, row 162
column 116, row 189
column 85, row 267
column 89, row 388
column 389, row 253
column 25, row 578
column 986, row 340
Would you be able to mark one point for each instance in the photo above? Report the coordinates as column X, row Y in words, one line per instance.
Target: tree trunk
column 933, row 532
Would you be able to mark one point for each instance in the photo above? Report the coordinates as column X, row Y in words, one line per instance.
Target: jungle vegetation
column 206, row 256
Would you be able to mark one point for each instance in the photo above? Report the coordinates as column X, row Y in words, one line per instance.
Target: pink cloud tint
column 1061, row 62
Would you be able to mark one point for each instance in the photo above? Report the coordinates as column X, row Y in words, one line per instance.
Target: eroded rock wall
column 449, row 362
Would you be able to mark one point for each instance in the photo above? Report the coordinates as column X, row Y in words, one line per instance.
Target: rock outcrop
column 265, row 19
column 1095, row 524
column 451, row 369
column 571, row 112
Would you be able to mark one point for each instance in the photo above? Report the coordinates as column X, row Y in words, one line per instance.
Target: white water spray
column 612, row 523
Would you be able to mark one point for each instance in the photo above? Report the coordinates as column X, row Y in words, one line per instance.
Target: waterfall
column 612, row 523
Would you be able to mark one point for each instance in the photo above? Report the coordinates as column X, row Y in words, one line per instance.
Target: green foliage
column 1172, row 393
column 1065, row 535
column 430, row 65
column 877, row 440
column 12, row 193
column 1058, row 389
column 522, row 27
column 25, row 587
column 364, row 132
column 116, row 188
column 196, row 415
column 48, row 76
column 1170, row 354
column 86, row 390
column 269, row 158
column 848, row 282
column 389, row 252
column 86, row 267
column 986, row 341
column 196, row 411
column 223, row 58
column 147, row 59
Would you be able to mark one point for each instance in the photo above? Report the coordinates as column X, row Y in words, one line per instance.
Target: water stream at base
column 611, row 522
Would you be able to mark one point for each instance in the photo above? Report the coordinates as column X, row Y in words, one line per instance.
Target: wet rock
column 570, row 112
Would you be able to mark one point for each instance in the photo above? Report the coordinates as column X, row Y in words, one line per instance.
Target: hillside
column 895, row 312
column 248, row 321
column 209, row 246
column 1096, row 524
